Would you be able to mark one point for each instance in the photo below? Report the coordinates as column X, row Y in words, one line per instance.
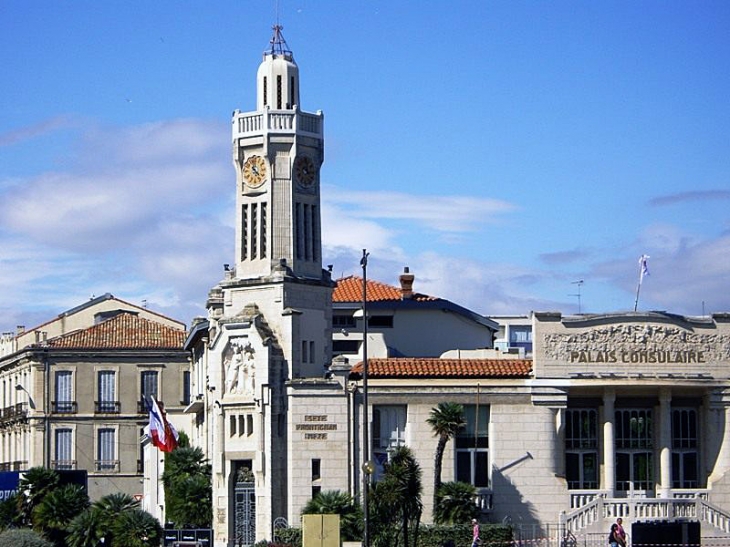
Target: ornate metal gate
column 245, row 514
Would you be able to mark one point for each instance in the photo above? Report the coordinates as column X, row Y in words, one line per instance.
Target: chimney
column 406, row 284
column 20, row 329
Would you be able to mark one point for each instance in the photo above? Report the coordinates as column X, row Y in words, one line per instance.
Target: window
column 278, row 92
column 581, row 448
column 148, row 388
column 186, row 397
column 263, row 230
column 107, row 392
column 316, row 469
column 244, row 232
column 254, row 230
column 105, row 449
column 64, row 392
column 343, row 321
column 307, row 351
column 63, row 453
column 381, row 321
column 389, row 432
column 685, row 458
column 634, row 449
column 345, row 346
column 520, row 334
column 472, row 447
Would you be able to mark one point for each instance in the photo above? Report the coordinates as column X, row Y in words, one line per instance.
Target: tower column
column 609, row 442
column 665, row 443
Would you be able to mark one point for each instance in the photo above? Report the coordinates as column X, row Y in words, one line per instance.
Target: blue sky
column 503, row 150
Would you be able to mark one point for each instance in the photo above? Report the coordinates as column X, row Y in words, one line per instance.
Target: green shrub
column 23, row 537
column 494, row 535
column 290, row 537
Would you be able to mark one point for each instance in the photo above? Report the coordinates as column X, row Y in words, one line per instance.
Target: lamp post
column 367, row 466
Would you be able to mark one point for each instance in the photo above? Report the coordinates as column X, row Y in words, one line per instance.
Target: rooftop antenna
column 578, row 283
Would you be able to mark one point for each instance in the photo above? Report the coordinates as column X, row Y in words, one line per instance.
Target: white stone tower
column 278, row 151
column 270, row 318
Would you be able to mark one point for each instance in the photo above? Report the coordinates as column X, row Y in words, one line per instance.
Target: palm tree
column 446, row 420
column 396, row 501
column 99, row 520
column 455, row 503
column 9, row 512
column 136, row 528
column 336, row 502
column 86, row 529
column 33, row 486
column 57, row 509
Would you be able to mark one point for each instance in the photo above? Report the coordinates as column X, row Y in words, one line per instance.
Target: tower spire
column 278, row 45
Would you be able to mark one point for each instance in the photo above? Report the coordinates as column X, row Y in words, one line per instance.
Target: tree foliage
column 34, row 485
column 58, row 508
column 136, row 528
column 446, row 420
column 455, row 503
column 188, row 488
column 395, row 505
column 336, row 502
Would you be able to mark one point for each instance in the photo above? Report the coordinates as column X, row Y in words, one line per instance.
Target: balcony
column 107, row 407
column 64, row 407
column 13, row 413
column 142, row 407
column 64, row 465
column 277, row 121
column 106, row 466
column 14, row 466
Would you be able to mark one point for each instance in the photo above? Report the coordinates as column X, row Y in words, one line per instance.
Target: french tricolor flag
column 163, row 434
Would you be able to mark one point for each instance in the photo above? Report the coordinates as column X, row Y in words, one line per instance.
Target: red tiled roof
column 434, row 367
column 349, row 289
column 123, row 331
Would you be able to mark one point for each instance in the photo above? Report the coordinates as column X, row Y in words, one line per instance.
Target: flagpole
column 643, row 270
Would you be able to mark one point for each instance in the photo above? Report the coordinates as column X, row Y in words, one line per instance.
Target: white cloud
column 435, row 212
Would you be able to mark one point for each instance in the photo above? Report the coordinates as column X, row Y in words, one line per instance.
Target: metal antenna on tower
column 579, row 284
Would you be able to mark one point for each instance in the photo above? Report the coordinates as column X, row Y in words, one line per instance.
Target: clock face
column 304, row 170
column 254, row 171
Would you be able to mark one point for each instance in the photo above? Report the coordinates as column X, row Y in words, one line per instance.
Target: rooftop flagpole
column 643, row 271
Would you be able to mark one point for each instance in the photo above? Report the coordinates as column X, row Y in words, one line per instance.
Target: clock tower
column 277, row 153
column 269, row 320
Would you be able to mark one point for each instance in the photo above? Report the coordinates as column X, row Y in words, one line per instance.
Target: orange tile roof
column 123, row 331
column 349, row 289
column 434, row 367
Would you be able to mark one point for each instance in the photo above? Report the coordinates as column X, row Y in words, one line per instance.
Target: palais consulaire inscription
column 635, row 344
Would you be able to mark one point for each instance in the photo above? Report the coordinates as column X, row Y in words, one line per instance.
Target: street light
column 31, row 402
column 367, row 466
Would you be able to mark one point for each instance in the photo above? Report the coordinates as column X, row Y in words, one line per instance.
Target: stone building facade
column 613, row 415
column 73, row 391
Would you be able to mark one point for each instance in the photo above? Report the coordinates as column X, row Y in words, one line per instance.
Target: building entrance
column 244, row 510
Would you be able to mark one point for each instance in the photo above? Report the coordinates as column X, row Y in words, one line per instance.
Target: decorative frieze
column 632, row 344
